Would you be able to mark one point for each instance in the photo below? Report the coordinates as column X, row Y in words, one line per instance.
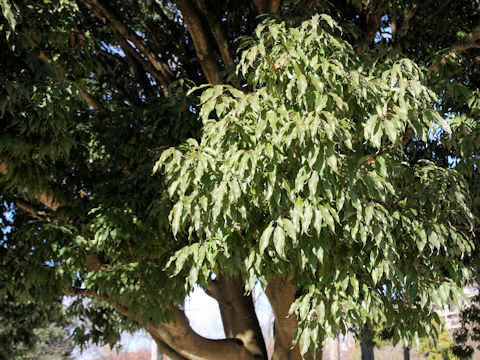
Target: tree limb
column 167, row 350
column 217, row 31
column 468, row 42
column 459, row 69
column 200, row 39
column 178, row 335
column 267, row 6
column 29, row 208
column 437, row 11
column 405, row 24
column 43, row 197
column 238, row 313
column 372, row 26
column 281, row 294
column 129, row 35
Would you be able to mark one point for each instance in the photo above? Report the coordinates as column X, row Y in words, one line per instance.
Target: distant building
column 451, row 314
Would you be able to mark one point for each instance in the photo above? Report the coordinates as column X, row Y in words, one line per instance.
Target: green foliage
column 440, row 349
column 306, row 175
column 466, row 337
column 304, row 168
column 30, row 332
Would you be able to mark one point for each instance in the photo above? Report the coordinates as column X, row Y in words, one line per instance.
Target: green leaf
column 390, row 130
column 279, row 241
column 327, row 217
column 265, row 238
column 301, row 84
column 290, row 228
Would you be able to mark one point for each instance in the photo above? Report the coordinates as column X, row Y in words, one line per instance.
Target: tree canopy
column 326, row 150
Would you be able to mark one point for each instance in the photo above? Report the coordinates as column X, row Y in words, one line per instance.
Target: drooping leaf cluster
column 303, row 175
column 306, row 176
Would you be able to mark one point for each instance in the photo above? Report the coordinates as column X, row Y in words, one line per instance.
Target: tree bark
column 267, row 6
column 201, row 40
column 43, row 197
column 238, row 313
column 366, row 344
column 406, row 352
column 281, row 294
column 372, row 22
column 178, row 336
column 162, row 71
column 217, row 31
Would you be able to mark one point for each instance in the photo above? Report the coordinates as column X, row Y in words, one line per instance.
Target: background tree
column 316, row 157
column 29, row 333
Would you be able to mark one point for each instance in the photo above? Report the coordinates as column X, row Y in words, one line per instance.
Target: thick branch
column 468, row 42
column 238, row 313
column 459, row 69
column 267, row 6
column 217, row 31
column 167, row 350
column 129, row 35
column 90, row 100
column 372, row 26
column 181, row 337
column 43, row 197
column 437, row 11
column 178, row 335
column 281, row 294
column 405, row 25
column 163, row 82
column 200, row 38
column 465, row 227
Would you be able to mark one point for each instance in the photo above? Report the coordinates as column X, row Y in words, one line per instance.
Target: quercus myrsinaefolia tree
column 334, row 161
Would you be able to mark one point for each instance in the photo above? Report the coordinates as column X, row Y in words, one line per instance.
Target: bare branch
column 90, row 100
column 274, row 6
column 43, row 197
column 405, row 24
column 178, row 335
column 468, row 42
column 167, row 350
column 407, row 136
column 458, row 70
column 30, row 208
column 129, row 35
column 267, row 6
column 200, row 38
column 465, row 227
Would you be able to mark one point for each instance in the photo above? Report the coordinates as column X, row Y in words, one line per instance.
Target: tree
column 466, row 337
column 28, row 333
column 440, row 349
column 320, row 164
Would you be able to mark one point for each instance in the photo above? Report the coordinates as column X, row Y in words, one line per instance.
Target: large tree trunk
column 281, row 294
column 366, row 344
column 406, row 353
